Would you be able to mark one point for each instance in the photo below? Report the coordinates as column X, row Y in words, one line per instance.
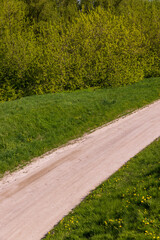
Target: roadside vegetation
column 124, row 207
column 33, row 125
column 51, row 46
column 90, row 62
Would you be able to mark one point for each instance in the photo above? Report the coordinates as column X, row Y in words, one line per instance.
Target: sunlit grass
column 33, row 125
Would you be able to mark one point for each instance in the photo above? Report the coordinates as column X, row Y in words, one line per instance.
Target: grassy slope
column 125, row 207
column 33, row 125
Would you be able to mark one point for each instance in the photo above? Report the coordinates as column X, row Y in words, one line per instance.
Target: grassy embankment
column 33, row 125
column 125, row 207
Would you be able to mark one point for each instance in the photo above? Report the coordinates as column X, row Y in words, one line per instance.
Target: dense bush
column 100, row 51
column 44, row 48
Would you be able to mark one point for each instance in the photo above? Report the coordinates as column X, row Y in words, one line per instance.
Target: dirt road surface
column 34, row 199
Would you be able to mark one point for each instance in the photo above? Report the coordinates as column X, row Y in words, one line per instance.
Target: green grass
column 125, row 207
column 33, row 125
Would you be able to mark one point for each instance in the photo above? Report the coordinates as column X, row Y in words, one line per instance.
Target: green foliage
column 145, row 15
column 100, row 51
column 51, row 46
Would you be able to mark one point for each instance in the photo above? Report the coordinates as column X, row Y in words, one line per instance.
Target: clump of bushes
column 44, row 48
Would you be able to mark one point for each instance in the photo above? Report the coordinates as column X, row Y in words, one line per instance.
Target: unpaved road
column 35, row 198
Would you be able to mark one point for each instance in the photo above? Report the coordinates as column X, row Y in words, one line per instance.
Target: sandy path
column 35, row 198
